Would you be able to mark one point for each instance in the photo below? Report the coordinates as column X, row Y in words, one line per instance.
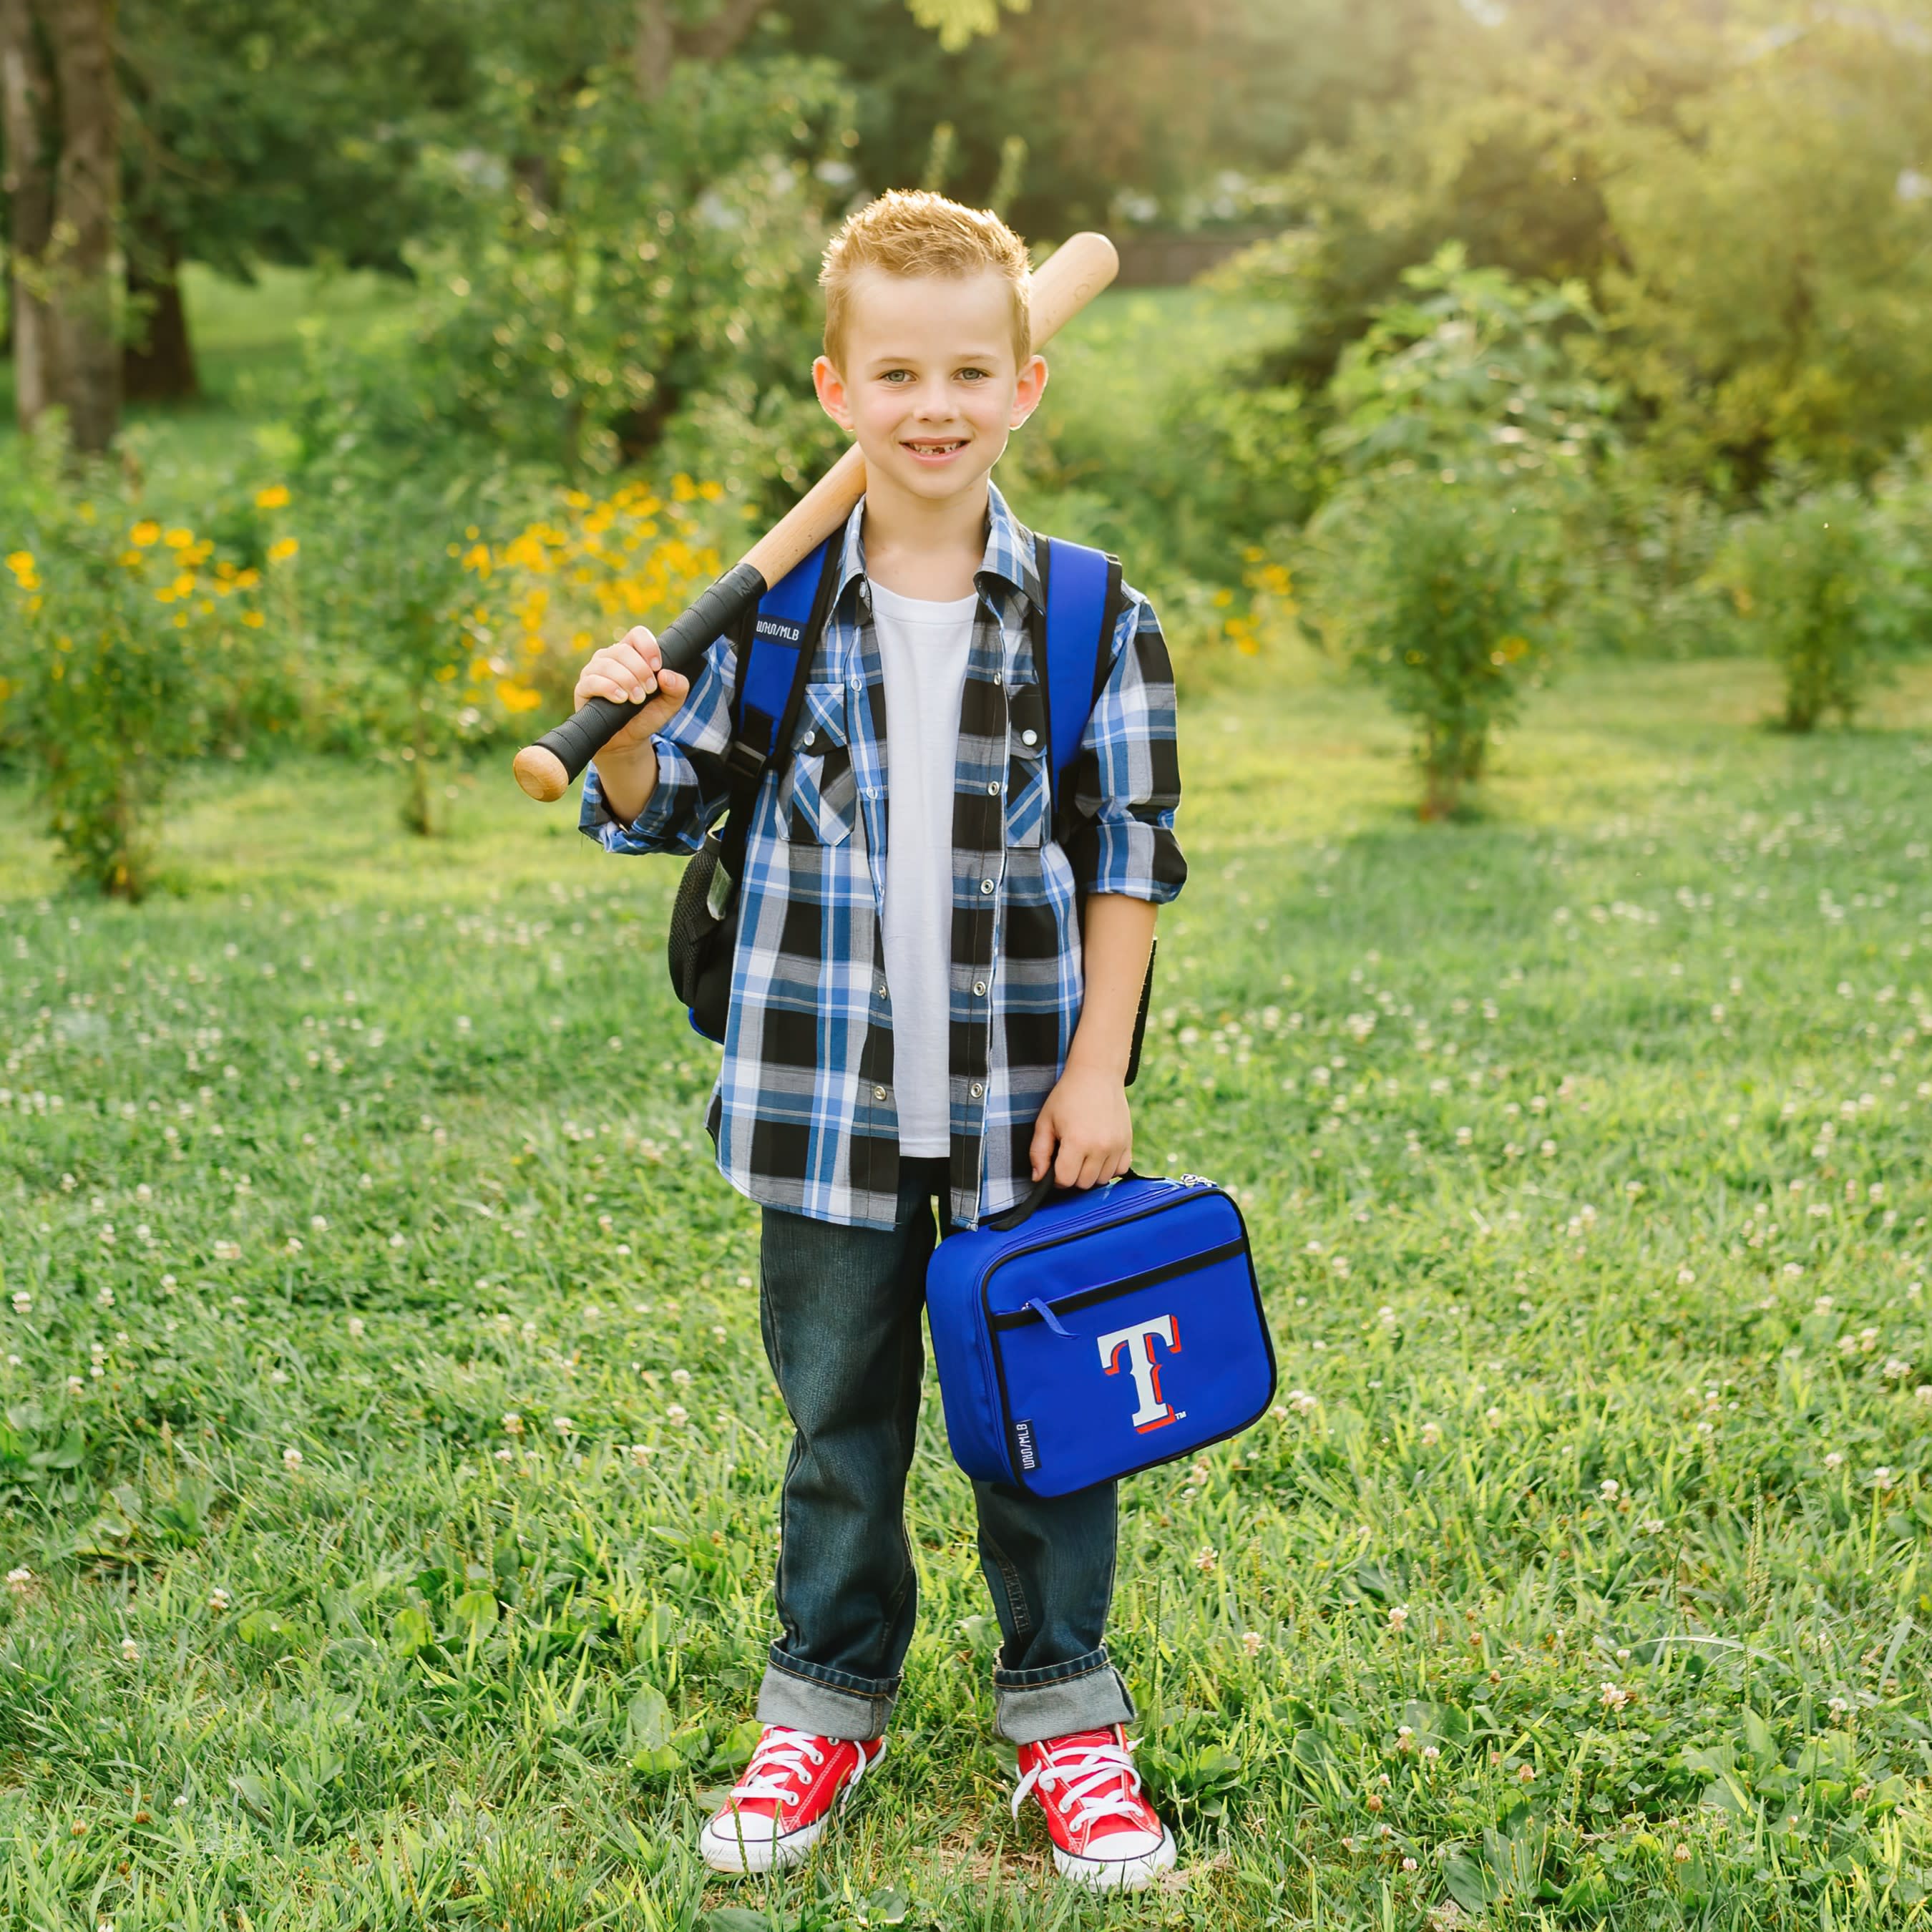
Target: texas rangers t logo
column 1136, row 1342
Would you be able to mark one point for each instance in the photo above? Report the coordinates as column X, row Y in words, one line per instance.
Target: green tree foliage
column 260, row 130
column 1778, row 238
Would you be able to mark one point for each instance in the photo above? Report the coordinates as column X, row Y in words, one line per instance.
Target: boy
column 911, row 1020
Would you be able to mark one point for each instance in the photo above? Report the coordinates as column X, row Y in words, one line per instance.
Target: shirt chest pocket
column 818, row 798
column 1029, row 804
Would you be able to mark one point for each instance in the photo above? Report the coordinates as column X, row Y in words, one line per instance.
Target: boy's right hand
column 628, row 672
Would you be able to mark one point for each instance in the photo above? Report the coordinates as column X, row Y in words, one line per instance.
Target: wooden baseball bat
column 1076, row 271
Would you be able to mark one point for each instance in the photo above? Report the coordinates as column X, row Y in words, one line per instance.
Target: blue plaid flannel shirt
column 804, row 1114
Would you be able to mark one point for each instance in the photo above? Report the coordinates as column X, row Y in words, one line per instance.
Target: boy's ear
column 832, row 396
column 1028, row 390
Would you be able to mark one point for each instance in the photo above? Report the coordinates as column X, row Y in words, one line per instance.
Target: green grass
column 1586, row 1144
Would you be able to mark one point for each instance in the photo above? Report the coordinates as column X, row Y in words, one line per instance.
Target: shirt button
column 811, row 738
column 985, row 885
column 1026, row 738
column 993, row 787
column 998, row 679
column 878, row 1092
column 977, row 1090
column 882, row 989
column 978, row 989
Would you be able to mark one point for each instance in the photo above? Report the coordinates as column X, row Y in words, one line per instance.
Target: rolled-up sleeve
column 690, row 791
column 1126, row 779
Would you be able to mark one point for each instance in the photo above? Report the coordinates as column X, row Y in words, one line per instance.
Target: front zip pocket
column 1049, row 1312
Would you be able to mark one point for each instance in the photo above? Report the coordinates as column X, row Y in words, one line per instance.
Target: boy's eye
column 893, row 375
column 974, row 375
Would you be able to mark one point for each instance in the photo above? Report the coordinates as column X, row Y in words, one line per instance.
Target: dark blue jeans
column 841, row 1308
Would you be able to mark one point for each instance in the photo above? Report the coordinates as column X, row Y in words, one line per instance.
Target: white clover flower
column 358, row 1327
column 641, row 1452
column 562, row 1424
column 513, row 1423
column 130, row 1650
column 1206, row 1558
column 20, row 1580
column 398, row 1240
column 1302, row 1403
column 219, row 1600
column 1251, row 1643
column 292, row 1459
column 1609, row 1489
column 1686, row 1276
column 1432, row 1434
column 1835, row 1460
column 681, row 1377
column 23, row 1302
column 1398, row 1617
column 677, row 1414
column 318, row 1223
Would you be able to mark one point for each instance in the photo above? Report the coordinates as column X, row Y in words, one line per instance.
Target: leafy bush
column 135, row 643
column 639, row 262
column 1440, row 594
column 1815, row 591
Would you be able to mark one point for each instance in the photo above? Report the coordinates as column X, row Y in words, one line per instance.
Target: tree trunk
column 87, row 184
column 26, row 126
column 652, row 48
column 658, row 39
column 158, row 365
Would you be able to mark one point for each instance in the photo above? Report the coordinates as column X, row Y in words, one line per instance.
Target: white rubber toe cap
column 741, row 1842
column 1121, row 1862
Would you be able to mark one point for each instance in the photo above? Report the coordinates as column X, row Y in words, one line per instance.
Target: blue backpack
column 1085, row 1336
column 775, row 647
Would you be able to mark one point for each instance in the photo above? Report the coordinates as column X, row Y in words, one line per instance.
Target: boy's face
column 930, row 388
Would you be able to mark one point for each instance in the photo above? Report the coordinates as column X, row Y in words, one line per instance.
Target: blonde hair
column 912, row 232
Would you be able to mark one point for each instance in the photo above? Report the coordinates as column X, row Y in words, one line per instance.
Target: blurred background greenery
column 404, row 351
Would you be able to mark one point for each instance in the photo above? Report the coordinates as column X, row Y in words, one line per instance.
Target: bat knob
column 542, row 773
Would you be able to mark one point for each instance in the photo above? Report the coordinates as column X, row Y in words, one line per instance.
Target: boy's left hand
column 1087, row 1118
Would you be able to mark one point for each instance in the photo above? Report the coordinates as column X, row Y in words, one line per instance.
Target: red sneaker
column 777, row 1809
column 1104, row 1833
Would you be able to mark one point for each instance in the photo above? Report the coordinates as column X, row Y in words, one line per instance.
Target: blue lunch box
column 1102, row 1332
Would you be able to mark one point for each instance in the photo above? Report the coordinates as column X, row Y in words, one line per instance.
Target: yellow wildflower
column 253, row 619
column 273, row 498
column 282, row 549
column 178, row 539
column 516, row 696
column 144, row 533
column 21, row 563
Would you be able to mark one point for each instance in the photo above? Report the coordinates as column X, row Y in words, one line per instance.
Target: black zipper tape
column 1089, row 1297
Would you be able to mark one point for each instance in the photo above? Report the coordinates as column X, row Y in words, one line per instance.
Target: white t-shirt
column 923, row 648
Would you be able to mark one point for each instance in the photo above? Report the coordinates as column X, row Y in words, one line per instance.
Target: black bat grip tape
column 682, row 645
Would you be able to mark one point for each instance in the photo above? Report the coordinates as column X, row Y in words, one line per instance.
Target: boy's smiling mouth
column 934, row 448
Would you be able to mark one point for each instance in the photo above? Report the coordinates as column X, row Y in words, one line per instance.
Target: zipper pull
column 1051, row 1320
column 1197, row 1180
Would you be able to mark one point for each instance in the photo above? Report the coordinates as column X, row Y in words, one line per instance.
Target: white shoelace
column 782, row 1756
column 1083, row 1769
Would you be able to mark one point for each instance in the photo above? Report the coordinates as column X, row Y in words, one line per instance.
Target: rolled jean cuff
column 1083, row 1694
column 828, row 1703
